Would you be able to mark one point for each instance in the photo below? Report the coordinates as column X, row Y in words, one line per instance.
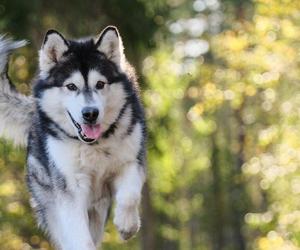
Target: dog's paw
column 127, row 222
column 127, row 235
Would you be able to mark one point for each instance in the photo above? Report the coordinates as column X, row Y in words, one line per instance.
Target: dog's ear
column 110, row 43
column 52, row 50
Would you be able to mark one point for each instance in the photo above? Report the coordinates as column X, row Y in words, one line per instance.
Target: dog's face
column 81, row 89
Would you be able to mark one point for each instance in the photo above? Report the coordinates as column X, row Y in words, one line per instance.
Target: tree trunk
column 148, row 221
column 218, row 204
column 237, row 195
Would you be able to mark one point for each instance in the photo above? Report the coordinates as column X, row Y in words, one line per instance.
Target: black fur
column 44, row 178
column 83, row 56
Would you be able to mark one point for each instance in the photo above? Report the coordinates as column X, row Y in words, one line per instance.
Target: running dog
column 85, row 133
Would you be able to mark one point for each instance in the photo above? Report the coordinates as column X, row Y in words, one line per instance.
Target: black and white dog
column 85, row 133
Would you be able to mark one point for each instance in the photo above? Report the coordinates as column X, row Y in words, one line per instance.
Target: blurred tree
column 233, row 99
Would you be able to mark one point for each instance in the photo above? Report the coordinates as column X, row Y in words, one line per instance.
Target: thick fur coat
column 85, row 134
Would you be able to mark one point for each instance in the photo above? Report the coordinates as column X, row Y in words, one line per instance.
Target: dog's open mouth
column 87, row 132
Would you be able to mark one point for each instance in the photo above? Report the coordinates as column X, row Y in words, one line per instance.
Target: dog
column 85, row 133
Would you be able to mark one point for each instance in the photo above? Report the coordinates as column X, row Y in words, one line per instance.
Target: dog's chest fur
column 93, row 165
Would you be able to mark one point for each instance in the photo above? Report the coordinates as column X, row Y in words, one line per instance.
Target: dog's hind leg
column 98, row 216
column 99, row 212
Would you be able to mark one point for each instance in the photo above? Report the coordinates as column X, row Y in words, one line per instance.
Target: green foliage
column 235, row 123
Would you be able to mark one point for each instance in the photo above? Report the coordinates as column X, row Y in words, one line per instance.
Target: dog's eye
column 71, row 86
column 100, row 85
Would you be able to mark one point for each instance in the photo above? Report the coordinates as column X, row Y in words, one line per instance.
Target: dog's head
column 81, row 87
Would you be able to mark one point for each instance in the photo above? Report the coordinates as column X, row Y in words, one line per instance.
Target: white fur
column 112, row 46
column 76, row 216
column 6, row 47
column 128, row 186
column 16, row 113
column 109, row 101
column 97, row 218
column 69, row 101
column 68, row 223
column 75, row 78
column 51, row 52
column 83, row 161
column 78, row 165
column 16, row 110
column 115, row 99
column 94, row 76
column 55, row 109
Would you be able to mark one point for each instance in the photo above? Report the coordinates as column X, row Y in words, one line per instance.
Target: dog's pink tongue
column 91, row 131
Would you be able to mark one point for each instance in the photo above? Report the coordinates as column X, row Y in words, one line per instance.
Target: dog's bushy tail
column 16, row 109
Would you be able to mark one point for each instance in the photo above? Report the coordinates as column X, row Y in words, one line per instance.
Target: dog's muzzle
column 87, row 132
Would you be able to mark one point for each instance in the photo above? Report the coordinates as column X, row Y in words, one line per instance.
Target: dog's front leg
column 128, row 187
column 68, row 221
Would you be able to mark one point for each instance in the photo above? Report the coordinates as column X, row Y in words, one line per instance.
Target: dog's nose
column 90, row 114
